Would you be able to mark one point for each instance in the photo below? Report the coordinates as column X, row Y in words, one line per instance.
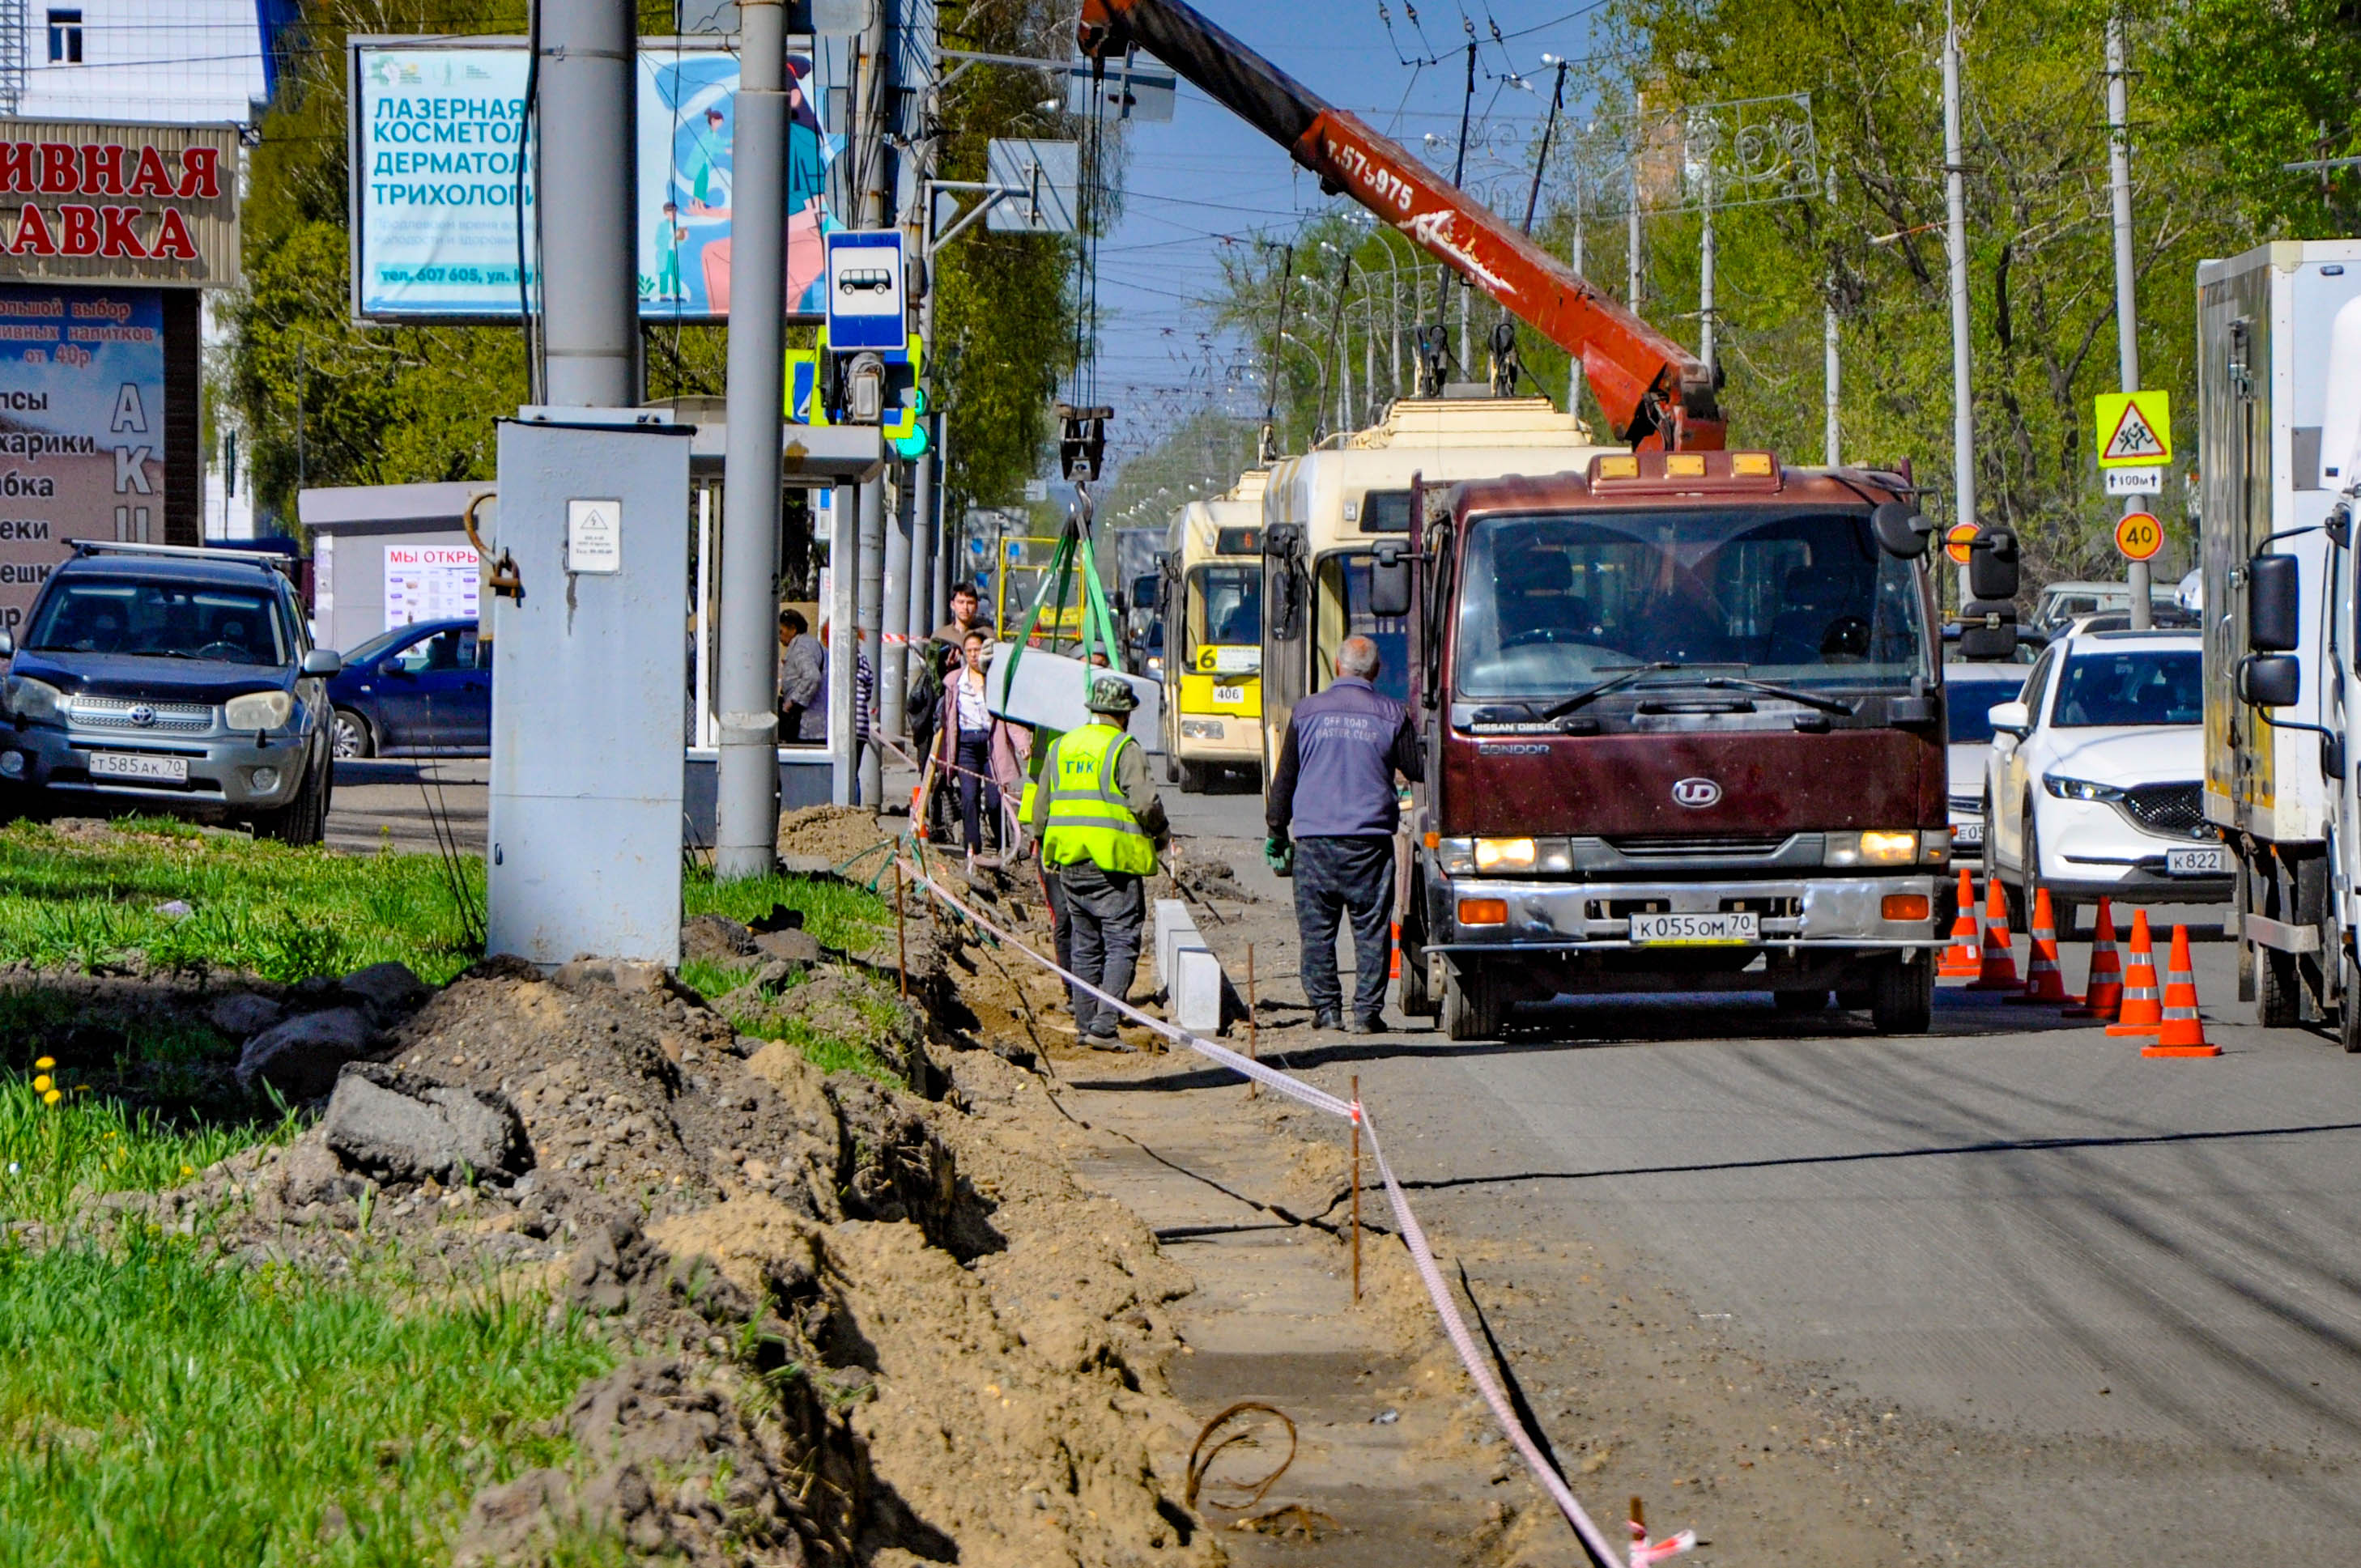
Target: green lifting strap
column 1073, row 552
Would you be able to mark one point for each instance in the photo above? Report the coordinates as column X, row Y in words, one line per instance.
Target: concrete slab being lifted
column 811, row 454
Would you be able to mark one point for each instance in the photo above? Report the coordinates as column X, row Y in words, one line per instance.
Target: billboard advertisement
column 82, row 427
column 89, row 202
column 436, row 181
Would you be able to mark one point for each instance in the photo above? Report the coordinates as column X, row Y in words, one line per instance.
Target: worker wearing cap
column 1334, row 790
column 1100, row 824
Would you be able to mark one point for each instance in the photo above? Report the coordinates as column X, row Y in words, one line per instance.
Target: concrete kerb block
column 1194, row 995
column 1172, row 923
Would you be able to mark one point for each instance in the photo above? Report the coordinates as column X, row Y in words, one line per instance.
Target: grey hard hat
column 1112, row 693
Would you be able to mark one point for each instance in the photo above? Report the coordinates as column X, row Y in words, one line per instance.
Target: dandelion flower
column 51, row 1098
column 45, row 1063
column 188, row 1170
column 41, row 1084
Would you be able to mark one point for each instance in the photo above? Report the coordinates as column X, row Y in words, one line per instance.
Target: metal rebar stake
column 1356, row 1189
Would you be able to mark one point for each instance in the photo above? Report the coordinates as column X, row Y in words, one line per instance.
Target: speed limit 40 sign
column 2139, row 535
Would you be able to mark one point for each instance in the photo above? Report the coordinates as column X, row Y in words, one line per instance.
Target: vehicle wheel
column 1902, row 997
column 2278, row 990
column 1171, row 766
column 2348, row 1017
column 303, row 820
column 353, row 737
column 1193, row 778
column 1471, row 1005
column 1414, row 999
column 1800, row 1001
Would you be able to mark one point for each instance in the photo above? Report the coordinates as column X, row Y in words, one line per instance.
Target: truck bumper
column 1806, row 912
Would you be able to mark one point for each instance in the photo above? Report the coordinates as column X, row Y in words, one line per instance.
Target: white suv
column 2096, row 780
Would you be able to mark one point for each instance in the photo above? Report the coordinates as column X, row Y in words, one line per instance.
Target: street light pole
column 2119, row 169
column 1831, row 380
column 1639, row 140
column 1963, row 426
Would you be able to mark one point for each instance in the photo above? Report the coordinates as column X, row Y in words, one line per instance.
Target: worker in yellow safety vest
column 1100, row 825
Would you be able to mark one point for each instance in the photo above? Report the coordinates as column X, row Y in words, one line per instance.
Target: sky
column 1206, row 181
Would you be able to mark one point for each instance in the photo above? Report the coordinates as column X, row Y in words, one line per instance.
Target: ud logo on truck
column 1696, row 793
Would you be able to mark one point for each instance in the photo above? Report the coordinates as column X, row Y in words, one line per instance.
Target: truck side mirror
column 1389, row 581
column 1992, row 565
column 1988, row 630
column 2270, row 680
column 2272, row 586
column 1900, row 530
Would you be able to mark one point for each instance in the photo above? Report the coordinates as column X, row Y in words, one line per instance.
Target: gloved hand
column 1279, row 854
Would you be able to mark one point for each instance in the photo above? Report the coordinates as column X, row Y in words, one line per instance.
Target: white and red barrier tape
column 1454, row 1327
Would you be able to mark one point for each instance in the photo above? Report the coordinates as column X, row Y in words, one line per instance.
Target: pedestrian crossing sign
column 2134, row 430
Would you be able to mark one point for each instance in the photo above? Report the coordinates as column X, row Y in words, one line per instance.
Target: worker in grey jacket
column 1334, row 787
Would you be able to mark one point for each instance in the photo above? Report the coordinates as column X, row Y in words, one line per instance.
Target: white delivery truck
column 2276, row 778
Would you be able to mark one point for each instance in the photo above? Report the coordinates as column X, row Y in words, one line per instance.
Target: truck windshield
column 1225, row 607
column 1554, row 603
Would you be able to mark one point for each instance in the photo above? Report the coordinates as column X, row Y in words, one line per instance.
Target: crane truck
column 1681, row 707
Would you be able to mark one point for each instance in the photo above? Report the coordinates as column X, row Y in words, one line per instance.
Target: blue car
column 424, row 690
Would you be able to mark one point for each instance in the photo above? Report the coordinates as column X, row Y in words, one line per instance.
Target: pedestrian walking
column 1334, row 788
column 977, row 750
column 1100, row 825
column 801, row 681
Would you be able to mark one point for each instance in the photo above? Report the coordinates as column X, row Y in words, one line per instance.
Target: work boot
column 1366, row 1023
column 1110, row 1041
column 1326, row 1019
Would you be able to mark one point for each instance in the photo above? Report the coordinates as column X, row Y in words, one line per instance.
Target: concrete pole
column 746, row 808
column 1639, row 139
column 870, row 610
column 844, row 552
column 949, row 560
column 899, row 553
column 1963, row 424
column 589, row 266
column 2119, row 169
column 1705, row 273
column 1831, row 377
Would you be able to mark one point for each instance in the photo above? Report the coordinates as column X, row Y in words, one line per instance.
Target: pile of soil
column 858, row 1327
column 831, row 834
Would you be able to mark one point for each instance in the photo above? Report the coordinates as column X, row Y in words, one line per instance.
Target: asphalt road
column 2114, row 1302
column 399, row 801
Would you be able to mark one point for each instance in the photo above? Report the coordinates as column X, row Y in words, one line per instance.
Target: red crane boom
column 1656, row 393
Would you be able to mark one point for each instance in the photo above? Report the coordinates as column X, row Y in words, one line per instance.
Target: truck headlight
column 1878, row 847
column 257, row 710
column 36, row 702
column 2065, row 788
column 1505, row 854
column 1457, row 855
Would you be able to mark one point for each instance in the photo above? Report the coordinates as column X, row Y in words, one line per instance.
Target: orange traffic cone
column 2102, row 993
column 2142, row 1012
column 1961, row 960
column 2044, row 981
column 1998, row 970
column 918, row 811
column 2183, row 1034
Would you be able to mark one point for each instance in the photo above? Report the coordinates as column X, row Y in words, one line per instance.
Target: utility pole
column 1458, row 175
column 1705, row 270
column 2119, row 170
column 1831, row 378
column 746, row 808
column 1963, row 422
column 1639, row 143
column 589, row 268
column 875, row 65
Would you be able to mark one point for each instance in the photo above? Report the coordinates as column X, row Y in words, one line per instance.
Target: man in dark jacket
column 1336, row 787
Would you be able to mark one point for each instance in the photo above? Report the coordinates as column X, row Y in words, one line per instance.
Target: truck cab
column 1683, row 730
column 1210, row 588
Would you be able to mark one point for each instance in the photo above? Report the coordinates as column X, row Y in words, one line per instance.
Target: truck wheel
column 1415, row 999
column 1471, row 1006
column 2348, row 1013
column 1171, row 766
column 1193, row 778
column 1799, row 1001
column 2278, row 990
column 1902, row 997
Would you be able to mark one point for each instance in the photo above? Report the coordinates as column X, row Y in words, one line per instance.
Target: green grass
column 158, row 1408
column 838, row 914
column 99, row 1145
column 283, row 912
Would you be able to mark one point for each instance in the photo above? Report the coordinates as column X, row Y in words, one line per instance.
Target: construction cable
column 1454, row 1325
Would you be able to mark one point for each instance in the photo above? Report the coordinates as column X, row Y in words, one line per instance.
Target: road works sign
column 2134, row 430
column 2139, row 535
